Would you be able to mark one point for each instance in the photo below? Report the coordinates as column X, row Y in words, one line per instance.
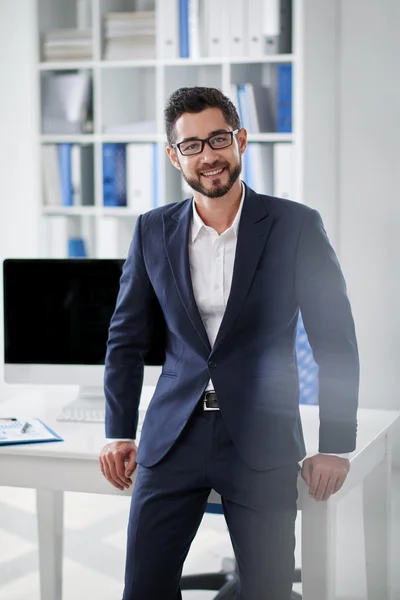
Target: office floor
column 95, row 542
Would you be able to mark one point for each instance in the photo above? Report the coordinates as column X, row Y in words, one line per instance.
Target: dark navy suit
column 250, row 450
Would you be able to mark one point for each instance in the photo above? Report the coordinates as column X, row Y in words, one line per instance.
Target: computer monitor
column 57, row 314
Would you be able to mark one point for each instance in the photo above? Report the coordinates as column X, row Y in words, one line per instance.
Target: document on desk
column 18, row 431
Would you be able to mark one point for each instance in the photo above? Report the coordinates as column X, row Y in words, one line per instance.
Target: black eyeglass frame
column 207, row 140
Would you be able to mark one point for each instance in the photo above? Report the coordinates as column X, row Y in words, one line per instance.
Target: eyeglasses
column 216, row 142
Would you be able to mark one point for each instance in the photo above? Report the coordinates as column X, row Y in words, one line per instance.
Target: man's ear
column 172, row 157
column 242, row 140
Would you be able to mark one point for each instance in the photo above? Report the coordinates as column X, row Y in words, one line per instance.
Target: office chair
column 225, row 582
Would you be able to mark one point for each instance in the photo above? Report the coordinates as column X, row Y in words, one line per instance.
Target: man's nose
column 208, row 155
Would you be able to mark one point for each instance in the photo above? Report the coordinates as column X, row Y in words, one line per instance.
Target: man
column 229, row 269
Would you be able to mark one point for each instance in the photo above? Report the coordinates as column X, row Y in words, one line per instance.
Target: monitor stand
column 88, row 407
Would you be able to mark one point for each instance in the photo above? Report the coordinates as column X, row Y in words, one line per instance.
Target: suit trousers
column 170, row 498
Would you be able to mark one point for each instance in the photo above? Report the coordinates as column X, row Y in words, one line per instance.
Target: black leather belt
column 210, row 401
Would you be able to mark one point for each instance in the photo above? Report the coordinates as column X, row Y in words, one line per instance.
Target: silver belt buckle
column 208, row 408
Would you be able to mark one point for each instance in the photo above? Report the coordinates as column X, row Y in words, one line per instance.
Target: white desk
column 72, row 465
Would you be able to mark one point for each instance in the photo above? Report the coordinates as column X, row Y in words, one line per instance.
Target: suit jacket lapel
column 176, row 236
column 254, row 228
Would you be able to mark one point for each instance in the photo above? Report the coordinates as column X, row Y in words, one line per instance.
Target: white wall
column 319, row 73
column 367, row 216
column 369, row 211
column 19, row 223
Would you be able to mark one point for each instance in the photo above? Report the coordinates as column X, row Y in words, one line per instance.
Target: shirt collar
column 198, row 225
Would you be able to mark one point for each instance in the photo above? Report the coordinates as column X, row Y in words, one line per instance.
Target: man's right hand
column 118, row 462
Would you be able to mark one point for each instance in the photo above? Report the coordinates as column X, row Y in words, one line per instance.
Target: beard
column 218, row 188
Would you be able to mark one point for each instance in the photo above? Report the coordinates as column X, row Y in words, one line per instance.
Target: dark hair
column 194, row 100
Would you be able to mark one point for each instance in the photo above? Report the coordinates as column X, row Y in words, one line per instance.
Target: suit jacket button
column 212, row 364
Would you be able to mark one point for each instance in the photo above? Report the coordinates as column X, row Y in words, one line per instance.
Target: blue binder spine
column 184, row 28
column 114, row 174
column 109, row 191
column 120, row 174
column 76, row 248
column 284, row 108
column 64, row 161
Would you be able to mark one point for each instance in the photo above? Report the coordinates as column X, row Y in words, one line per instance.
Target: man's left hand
column 324, row 475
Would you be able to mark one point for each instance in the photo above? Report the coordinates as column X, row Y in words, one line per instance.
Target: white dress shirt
column 211, row 259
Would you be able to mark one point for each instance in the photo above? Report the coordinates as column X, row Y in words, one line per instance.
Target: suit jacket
column 283, row 263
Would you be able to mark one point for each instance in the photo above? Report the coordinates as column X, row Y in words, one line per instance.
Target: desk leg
column 318, row 562
column 377, row 520
column 50, row 509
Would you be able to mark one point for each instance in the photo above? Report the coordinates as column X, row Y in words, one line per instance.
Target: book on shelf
column 284, row 171
column 184, row 51
column 130, row 176
column 76, row 247
column 51, row 177
column 277, row 26
column 284, row 99
column 217, row 27
column 237, row 13
column 130, row 35
column 114, row 174
column 255, row 104
column 167, row 27
column 246, row 27
column 67, row 44
column 141, row 177
column 263, row 108
column 64, row 157
column 254, row 36
column 194, row 29
column 68, row 174
column 82, row 175
column 257, row 170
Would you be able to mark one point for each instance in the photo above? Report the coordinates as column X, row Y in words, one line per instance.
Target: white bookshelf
column 116, row 101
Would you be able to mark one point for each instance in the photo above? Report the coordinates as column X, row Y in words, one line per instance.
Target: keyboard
column 82, row 414
column 90, row 414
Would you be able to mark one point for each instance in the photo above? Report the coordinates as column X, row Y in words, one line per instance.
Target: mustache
column 212, row 167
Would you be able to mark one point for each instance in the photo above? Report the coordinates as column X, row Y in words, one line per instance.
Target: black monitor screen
column 58, row 311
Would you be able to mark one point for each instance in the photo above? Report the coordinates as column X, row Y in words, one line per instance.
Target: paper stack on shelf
column 130, row 35
column 68, row 44
column 67, row 102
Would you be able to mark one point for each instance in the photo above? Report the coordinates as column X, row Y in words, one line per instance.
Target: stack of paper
column 68, row 44
column 130, row 35
column 21, row 431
